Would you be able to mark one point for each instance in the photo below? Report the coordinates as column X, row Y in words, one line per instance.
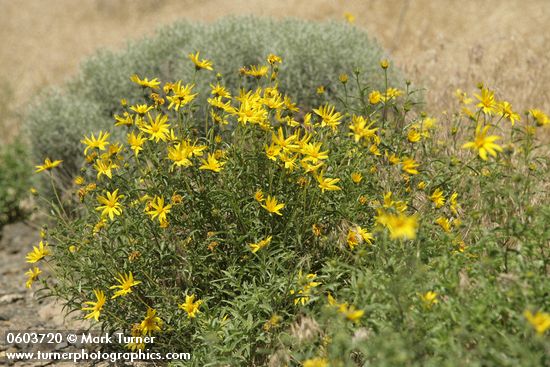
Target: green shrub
column 395, row 244
column 314, row 55
column 15, row 171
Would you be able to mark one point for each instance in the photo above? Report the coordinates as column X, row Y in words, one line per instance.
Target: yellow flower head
column 540, row 321
column 190, row 306
column 32, row 275
column 350, row 18
column 259, row 196
column 274, row 59
column 157, row 129
column 409, row 165
column 200, row 64
column 255, row 247
column 156, row 208
column 272, row 206
column 316, row 362
column 95, row 307
column 357, row 235
column 540, row 117
column 356, row 177
column 111, row 205
column 151, row 322
column 211, row 164
column 38, row 253
column 146, row 83
column 329, row 116
column 328, row 184
column 484, row 144
column 400, row 225
column 429, row 299
column 487, row 102
column 92, row 142
column 126, row 282
column 438, row 198
column 48, row 165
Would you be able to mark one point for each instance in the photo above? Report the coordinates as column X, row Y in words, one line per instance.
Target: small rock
column 10, row 298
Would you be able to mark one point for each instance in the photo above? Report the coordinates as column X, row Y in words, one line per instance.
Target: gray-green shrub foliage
column 313, row 54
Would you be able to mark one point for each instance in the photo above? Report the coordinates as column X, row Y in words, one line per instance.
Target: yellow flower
column 362, row 130
column 375, row 97
column 462, row 97
column 274, row 59
column 286, row 144
column 111, row 206
column 273, row 322
column 272, row 206
column 483, row 143
column 313, row 153
column 438, row 198
column 136, row 142
column 141, row 109
column 409, row 166
column 429, row 299
column 350, row 312
column 357, row 235
column 156, row 208
column 182, row 95
column 356, row 177
column 92, row 142
column 400, row 225
column 444, row 223
column 259, row 196
column 104, row 166
column 256, row 71
column 95, row 307
column 540, row 321
column 303, row 295
column 505, row 110
column 200, row 64
column 255, row 247
column 158, row 129
column 384, row 64
column 126, row 282
column 320, row 89
column 190, row 306
column 414, row 136
column 487, row 101
column 48, row 165
column 328, row 184
column 211, row 164
column 220, row 91
column 146, row 83
column 329, row 117
column 540, row 117
column 151, row 322
column 38, row 253
column 453, row 203
column 350, row 18
column 32, row 275
column 316, row 362
column 79, row 180
column 137, row 342
column 316, row 229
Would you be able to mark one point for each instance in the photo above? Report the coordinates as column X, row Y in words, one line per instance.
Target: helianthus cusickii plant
column 314, row 53
column 350, row 233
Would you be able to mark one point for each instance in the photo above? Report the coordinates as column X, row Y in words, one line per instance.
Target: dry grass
column 441, row 44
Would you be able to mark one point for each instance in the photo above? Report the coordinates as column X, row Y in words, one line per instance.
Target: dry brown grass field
column 441, row 44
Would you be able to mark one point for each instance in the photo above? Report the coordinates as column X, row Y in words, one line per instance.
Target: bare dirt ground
column 440, row 44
